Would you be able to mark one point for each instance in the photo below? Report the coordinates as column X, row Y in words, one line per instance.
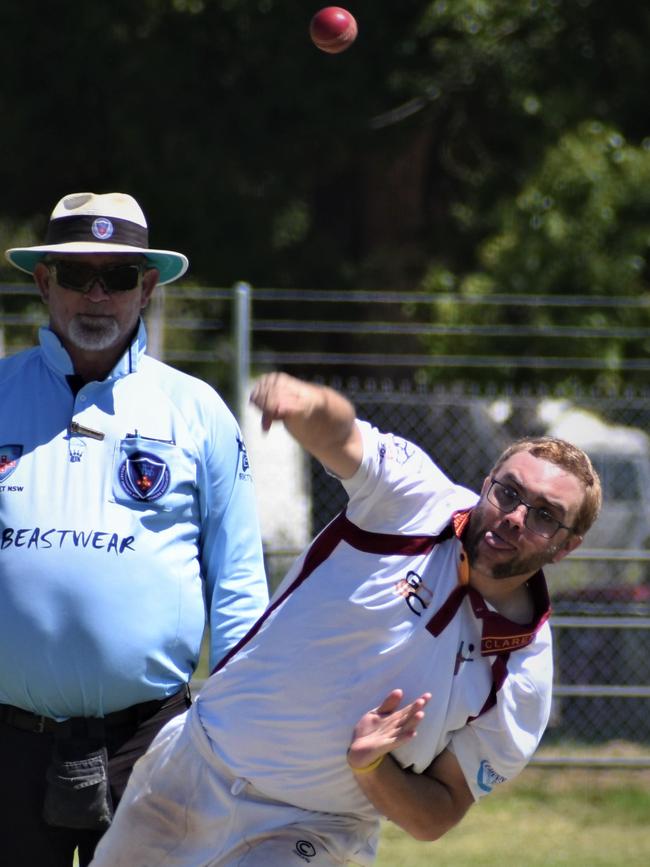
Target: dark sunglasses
column 80, row 277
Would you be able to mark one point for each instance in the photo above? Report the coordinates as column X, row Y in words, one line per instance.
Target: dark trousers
column 25, row 839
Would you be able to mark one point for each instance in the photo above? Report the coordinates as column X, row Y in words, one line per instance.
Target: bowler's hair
column 571, row 459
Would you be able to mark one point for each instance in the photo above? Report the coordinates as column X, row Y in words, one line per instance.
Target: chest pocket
column 149, row 474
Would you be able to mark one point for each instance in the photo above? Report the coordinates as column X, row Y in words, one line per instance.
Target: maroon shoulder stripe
column 447, row 611
column 385, row 543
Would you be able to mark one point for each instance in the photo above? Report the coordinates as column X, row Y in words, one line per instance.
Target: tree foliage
column 460, row 146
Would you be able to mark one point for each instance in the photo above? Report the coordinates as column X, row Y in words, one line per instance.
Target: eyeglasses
column 80, row 277
column 538, row 520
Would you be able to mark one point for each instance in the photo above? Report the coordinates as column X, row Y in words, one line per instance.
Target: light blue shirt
column 118, row 536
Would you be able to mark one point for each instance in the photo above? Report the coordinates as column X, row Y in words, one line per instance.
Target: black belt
column 87, row 726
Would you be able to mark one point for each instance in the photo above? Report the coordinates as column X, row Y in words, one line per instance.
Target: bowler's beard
column 93, row 332
column 517, row 565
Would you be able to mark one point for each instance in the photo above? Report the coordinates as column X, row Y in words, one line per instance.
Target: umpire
column 127, row 520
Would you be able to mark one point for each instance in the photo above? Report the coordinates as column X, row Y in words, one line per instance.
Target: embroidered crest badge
column 9, row 457
column 144, row 476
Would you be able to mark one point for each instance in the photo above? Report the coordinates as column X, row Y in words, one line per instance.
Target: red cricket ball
column 333, row 29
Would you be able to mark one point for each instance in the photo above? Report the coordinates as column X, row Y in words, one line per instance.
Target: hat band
column 77, row 228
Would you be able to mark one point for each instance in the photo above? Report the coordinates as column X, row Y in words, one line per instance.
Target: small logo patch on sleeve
column 10, row 455
column 487, row 778
column 245, row 463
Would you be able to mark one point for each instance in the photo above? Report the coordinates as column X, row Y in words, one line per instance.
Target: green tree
column 580, row 226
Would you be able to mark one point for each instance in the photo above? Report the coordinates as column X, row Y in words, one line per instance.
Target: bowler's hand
column 385, row 728
column 281, row 397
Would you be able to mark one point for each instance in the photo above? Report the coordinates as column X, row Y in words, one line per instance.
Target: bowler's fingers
column 410, row 716
column 271, row 395
column 391, row 702
column 394, row 697
column 405, row 719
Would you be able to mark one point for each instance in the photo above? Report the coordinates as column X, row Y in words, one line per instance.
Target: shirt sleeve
column 498, row 745
column 398, row 488
column 231, row 546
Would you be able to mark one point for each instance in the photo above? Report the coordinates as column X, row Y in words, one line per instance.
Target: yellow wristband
column 370, row 767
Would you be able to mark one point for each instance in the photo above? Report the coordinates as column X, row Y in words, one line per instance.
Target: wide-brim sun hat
column 104, row 223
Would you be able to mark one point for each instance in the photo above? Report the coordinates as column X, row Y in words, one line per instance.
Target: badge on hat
column 102, row 228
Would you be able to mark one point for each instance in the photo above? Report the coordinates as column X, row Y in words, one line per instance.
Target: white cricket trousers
column 183, row 808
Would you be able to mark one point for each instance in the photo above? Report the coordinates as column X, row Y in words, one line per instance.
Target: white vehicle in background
column 606, row 580
column 621, row 455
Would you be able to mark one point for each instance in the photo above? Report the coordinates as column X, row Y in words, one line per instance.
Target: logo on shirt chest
column 144, row 476
column 416, row 595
